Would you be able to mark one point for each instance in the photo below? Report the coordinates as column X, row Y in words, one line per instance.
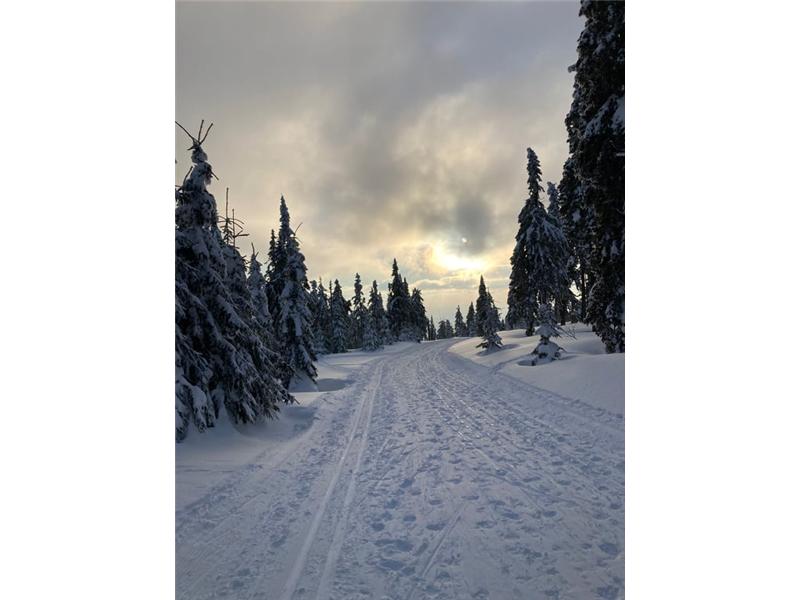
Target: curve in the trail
column 429, row 477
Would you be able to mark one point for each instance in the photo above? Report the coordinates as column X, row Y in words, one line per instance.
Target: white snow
column 584, row 372
column 421, row 473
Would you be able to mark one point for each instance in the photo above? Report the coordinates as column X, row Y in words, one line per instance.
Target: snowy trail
column 429, row 477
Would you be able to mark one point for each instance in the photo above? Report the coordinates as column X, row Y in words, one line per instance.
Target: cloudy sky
column 392, row 129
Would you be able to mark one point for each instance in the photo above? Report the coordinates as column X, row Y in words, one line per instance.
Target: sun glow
column 453, row 262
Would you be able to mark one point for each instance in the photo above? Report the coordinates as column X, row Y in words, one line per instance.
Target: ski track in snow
column 429, row 477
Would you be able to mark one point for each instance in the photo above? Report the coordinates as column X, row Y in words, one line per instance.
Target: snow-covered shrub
column 546, row 350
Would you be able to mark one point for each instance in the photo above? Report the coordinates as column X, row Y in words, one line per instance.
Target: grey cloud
column 389, row 127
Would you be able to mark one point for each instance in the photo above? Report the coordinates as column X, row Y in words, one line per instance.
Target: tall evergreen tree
column 374, row 320
column 320, row 318
column 460, row 326
column 294, row 321
column 596, row 135
column 339, row 319
column 418, row 319
column 521, row 312
column 487, row 319
column 540, row 259
column 563, row 298
column 221, row 358
column 398, row 307
column 276, row 262
column 576, row 218
column 357, row 314
column 472, row 327
column 441, row 332
column 431, row 330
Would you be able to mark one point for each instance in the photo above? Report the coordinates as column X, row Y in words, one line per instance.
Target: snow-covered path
column 429, row 477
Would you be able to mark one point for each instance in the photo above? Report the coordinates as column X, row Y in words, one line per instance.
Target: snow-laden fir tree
column 419, row 320
column 472, row 327
column 258, row 294
column 320, row 318
column 340, row 319
column 546, row 350
column 431, row 330
column 358, row 311
column 521, row 312
column 398, row 308
column 373, row 320
column 565, row 297
column 576, row 219
column 221, row 358
column 540, row 260
column 445, row 330
column 378, row 314
column 487, row 319
column 460, row 328
column 275, row 265
column 596, row 135
column 294, row 316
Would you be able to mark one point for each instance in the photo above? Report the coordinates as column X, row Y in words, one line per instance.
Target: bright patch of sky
column 392, row 129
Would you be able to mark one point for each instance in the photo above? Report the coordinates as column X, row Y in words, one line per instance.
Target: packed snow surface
column 584, row 373
column 415, row 472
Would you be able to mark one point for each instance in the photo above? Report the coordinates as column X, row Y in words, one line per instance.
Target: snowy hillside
column 585, row 372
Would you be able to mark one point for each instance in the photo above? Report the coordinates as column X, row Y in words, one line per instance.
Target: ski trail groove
column 300, row 561
column 323, row 591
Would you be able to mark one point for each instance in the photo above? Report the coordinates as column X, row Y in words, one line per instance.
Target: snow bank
column 204, row 459
column 585, row 372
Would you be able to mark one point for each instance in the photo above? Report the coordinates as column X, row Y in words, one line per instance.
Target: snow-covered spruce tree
column 596, row 134
column 373, row 320
column 340, row 317
column 220, row 355
column 320, row 317
column 276, row 261
column 357, row 315
column 472, row 327
column 418, row 319
column 441, row 333
column 430, row 332
column 398, row 307
column 576, row 219
column 564, row 298
column 460, row 328
column 546, row 350
column 540, row 259
column 258, row 295
column 294, row 319
column 487, row 320
column 521, row 301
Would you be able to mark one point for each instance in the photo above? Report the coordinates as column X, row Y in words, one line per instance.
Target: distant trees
column 445, row 330
column 340, row 321
column 592, row 188
column 358, row 311
column 375, row 323
column 404, row 316
column 472, row 327
column 487, row 319
column 460, row 327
